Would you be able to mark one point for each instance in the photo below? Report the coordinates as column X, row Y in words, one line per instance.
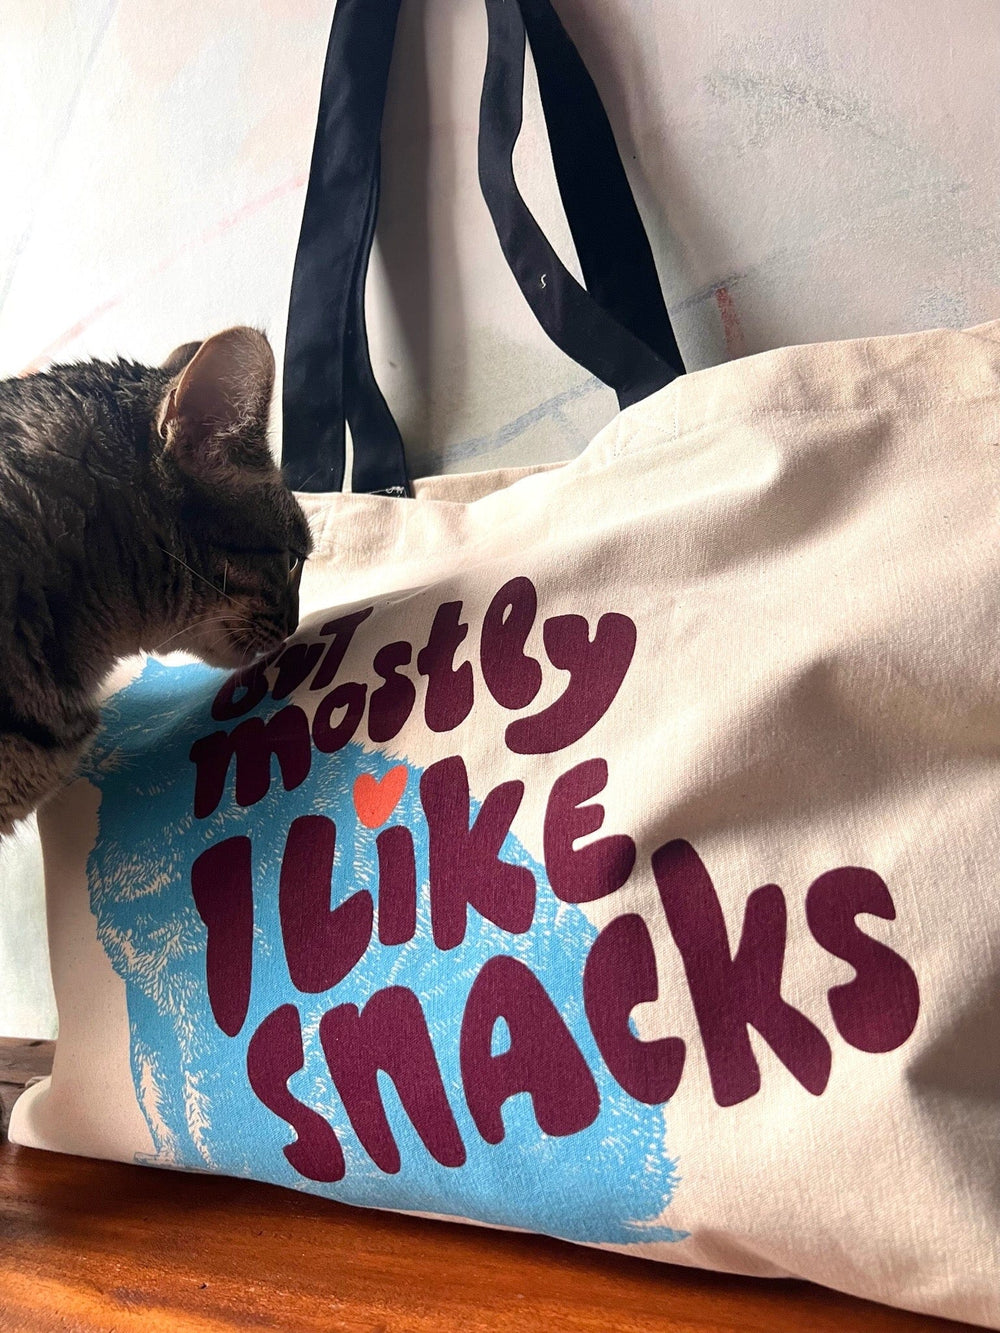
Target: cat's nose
column 291, row 617
column 292, row 601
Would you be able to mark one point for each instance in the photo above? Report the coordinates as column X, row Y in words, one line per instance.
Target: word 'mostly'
column 595, row 667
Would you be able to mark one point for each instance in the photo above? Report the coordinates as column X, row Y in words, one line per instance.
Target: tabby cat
column 140, row 509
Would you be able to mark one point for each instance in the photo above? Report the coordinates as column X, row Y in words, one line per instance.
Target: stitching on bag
column 760, row 413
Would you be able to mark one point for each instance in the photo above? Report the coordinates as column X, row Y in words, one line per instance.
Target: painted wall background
column 807, row 170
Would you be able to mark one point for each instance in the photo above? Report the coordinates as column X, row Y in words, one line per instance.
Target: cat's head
column 239, row 536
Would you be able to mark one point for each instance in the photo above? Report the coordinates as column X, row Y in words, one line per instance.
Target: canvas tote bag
column 614, row 851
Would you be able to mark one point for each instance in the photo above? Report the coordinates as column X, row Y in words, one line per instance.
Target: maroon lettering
column 390, row 1034
column 342, row 629
column 397, row 885
column 294, row 666
column 596, row 669
column 391, row 704
column 448, row 700
column 274, row 1054
column 321, row 944
column 241, row 693
column 222, row 888
column 878, row 1010
column 619, row 974
column 583, row 874
column 728, row 993
column 542, row 1059
column 253, row 744
column 465, row 868
column 511, row 676
column 329, row 737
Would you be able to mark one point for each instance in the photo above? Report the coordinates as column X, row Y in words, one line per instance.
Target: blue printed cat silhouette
column 608, row 1183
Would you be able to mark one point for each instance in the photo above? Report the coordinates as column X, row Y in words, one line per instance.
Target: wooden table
column 88, row 1246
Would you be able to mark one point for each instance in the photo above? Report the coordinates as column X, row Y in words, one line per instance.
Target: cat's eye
column 293, row 560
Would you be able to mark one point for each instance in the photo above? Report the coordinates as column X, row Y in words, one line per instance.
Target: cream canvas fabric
column 657, row 792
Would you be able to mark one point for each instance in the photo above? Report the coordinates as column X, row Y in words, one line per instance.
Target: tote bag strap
column 617, row 327
column 321, row 385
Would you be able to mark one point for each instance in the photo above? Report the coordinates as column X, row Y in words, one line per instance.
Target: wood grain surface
column 88, row 1246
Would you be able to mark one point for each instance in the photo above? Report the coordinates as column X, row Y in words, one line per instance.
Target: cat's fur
column 140, row 508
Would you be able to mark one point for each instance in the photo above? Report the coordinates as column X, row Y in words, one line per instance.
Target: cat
column 140, row 510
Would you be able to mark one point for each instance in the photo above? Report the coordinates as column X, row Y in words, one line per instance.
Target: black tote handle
column 618, row 327
column 613, row 337
column 610, row 239
column 327, row 373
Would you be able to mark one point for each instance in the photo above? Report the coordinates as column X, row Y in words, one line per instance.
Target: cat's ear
column 180, row 357
column 214, row 416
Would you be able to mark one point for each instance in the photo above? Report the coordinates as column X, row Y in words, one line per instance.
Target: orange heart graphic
column 374, row 800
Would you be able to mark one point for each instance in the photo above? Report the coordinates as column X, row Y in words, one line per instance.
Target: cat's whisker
column 187, row 629
column 215, row 588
